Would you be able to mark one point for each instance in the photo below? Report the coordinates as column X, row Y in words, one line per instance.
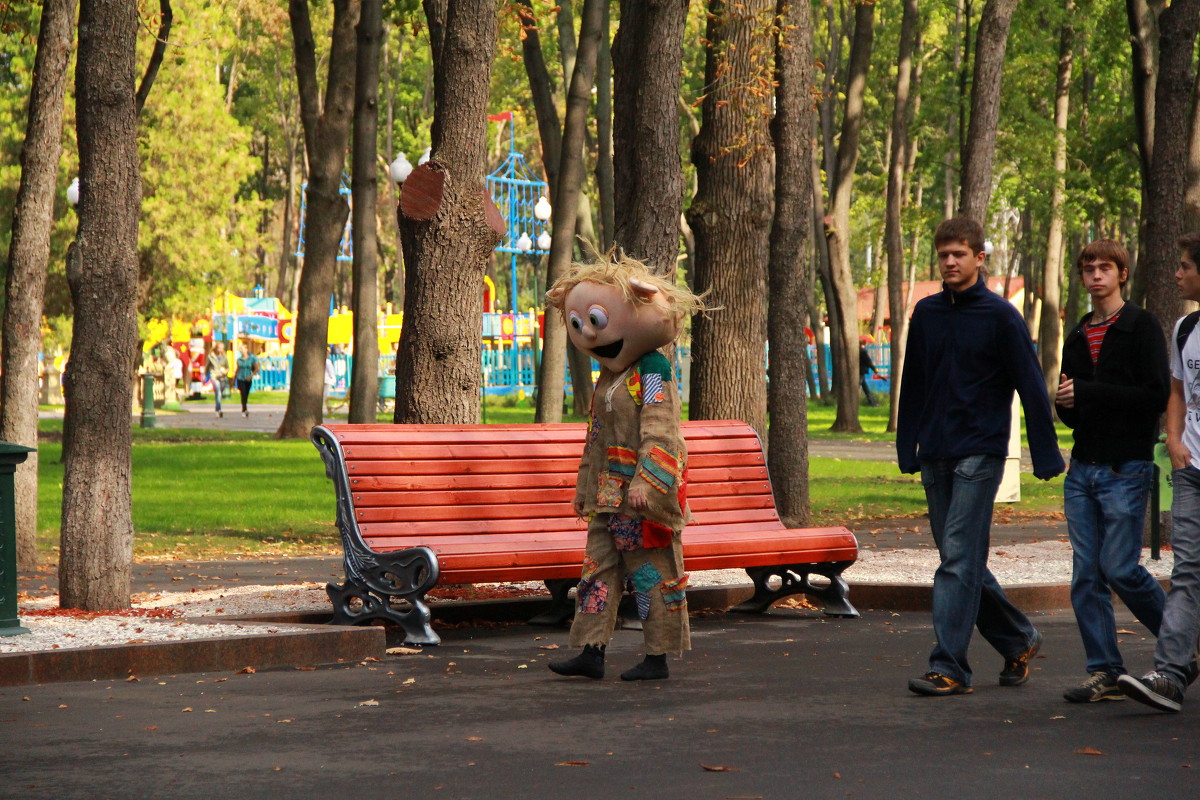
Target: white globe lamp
column 524, row 243
column 542, row 209
column 400, row 168
column 73, row 192
column 544, row 241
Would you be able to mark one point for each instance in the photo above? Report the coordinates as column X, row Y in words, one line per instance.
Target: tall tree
column 364, row 188
column 1167, row 181
column 28, row 256
column 897, row 168
column 1050, row 328
column 566, row 205
column 647, row 174
column 449, row 225
column 979, row 149
column 326, row 133
column 787, row 274
column 97, row 512
column 837, row 231
column 731, row 214
column 1142, row 16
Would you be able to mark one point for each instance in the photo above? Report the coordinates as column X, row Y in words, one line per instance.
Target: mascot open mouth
column 610, row 350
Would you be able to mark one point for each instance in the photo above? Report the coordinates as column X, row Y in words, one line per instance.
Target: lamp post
column 73, row 193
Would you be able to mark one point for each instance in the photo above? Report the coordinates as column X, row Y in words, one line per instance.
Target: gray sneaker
column 1099, row 686
column 1155, row 689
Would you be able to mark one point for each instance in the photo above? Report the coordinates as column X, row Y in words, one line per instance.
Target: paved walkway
column 783, row 706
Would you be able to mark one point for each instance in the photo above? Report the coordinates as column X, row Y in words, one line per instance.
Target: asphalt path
column 789, row 705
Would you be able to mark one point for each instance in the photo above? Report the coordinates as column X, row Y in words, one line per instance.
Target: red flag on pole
column 503, row 117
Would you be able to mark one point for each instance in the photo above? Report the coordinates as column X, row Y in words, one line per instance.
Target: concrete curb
column 323, row 644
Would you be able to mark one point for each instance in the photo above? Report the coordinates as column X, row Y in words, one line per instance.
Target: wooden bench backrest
column 429, row 481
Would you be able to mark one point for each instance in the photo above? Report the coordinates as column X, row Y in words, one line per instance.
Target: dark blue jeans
column 1105, row 507
column 960, row 494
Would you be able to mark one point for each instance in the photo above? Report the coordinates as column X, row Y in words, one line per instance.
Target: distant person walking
column 968, row 349
column 247, row 368
column 1112, row 391
column 865, row 367
column 218, row 374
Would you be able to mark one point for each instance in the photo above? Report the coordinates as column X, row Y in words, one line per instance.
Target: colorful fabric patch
column 626, row 532
column 660, row 468
column 594, row 428
column 590, row 567
column 610, row 490
column 643, row 604
column 652, row 388
column 645, row 577
column 655, row 535
column 622, row 460
column 675, row 593
column 634, row 384
column 592, row 596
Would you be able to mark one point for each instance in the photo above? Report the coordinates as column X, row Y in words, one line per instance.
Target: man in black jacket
column 1112, row 391
column 968, row 350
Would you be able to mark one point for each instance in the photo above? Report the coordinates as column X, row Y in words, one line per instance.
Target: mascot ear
column 643, row 289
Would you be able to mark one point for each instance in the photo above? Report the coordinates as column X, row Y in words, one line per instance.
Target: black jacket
column 967, row 352
column 1119, row 400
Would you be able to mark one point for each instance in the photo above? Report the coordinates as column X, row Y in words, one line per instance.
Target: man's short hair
column 960, row 229
column 1190, row 244
column 1105, row 250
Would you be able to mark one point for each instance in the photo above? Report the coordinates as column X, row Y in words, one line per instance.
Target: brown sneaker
column 1016, row 669
column 935, row 684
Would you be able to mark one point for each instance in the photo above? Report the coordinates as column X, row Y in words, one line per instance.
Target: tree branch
column 160, row 48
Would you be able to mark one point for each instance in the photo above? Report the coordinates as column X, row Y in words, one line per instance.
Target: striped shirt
column 1095, row 334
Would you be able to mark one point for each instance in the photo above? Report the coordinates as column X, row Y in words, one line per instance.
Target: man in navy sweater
column 968, row 350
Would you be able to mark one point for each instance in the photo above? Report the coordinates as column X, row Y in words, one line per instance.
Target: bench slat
column 562, row 431
column 356, row 468
column 518, row 451
column 700, row 482
column 393, row 506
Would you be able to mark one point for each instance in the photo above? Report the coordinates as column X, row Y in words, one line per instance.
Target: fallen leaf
column 1058, row 716
column 548, row 647
column 284, row 720
column 1128, row 633
column 63, row 705
column 246, row 671
column 1087, row 751
column 522, row 666
column 369, row 703
column 210, row 711
column 189, row 708
column 306, row 669
column 713, row 768
column 410, row 681
column 837, row 774
column 132, row 679
column 573, row 764
column 402, row 651
column 474, row 738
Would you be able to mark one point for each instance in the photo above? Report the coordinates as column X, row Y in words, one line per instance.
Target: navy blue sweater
column 966, row 354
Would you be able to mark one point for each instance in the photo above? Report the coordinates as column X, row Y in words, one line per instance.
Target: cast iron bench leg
column 373, row 580
column 794, row 579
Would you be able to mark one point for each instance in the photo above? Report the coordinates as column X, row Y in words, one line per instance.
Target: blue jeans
column 1105, row 507
column 960, row 494
column 1181, row 618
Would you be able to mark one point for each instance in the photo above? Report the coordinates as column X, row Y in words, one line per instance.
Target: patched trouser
column 615, row 561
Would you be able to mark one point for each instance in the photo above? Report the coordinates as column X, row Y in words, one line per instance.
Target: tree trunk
column 821, row 269
column 1168, row 171
column 364, row 187
column 97, row 512
column 1050, row 332
column 566, row 207
column 28, row 257
column 838, row 232
column 647, row 173
column 449, row 225
column 326, row 134
column 979, row 150
column 1143, row 41
column 731, row 217
column 1192, row 196
column 542, row 90
column 893, row 234
column 787, row 277
column 604, row 135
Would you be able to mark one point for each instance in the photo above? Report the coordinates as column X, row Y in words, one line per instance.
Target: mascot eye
column 575, row 321
column 598, row 317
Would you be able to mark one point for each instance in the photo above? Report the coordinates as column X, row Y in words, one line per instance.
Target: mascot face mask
column 615, row 331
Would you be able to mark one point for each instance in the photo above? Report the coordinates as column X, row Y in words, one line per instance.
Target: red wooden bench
column 419, row 505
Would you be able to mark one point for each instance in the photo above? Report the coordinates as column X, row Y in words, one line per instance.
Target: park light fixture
column 73, row 192
column 400, row 169
column 524, row 243
column 987, row 247
column 542, row 209
column 424, row 156
column 544, row 241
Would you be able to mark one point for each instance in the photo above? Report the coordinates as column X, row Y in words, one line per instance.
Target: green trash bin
column 387, row 393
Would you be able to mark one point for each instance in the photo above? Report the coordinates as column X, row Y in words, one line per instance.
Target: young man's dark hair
column 960, row 229
column 1189, row 243
column 1105, row 250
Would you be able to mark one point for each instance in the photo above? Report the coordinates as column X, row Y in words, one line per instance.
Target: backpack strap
column 1185, row 330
